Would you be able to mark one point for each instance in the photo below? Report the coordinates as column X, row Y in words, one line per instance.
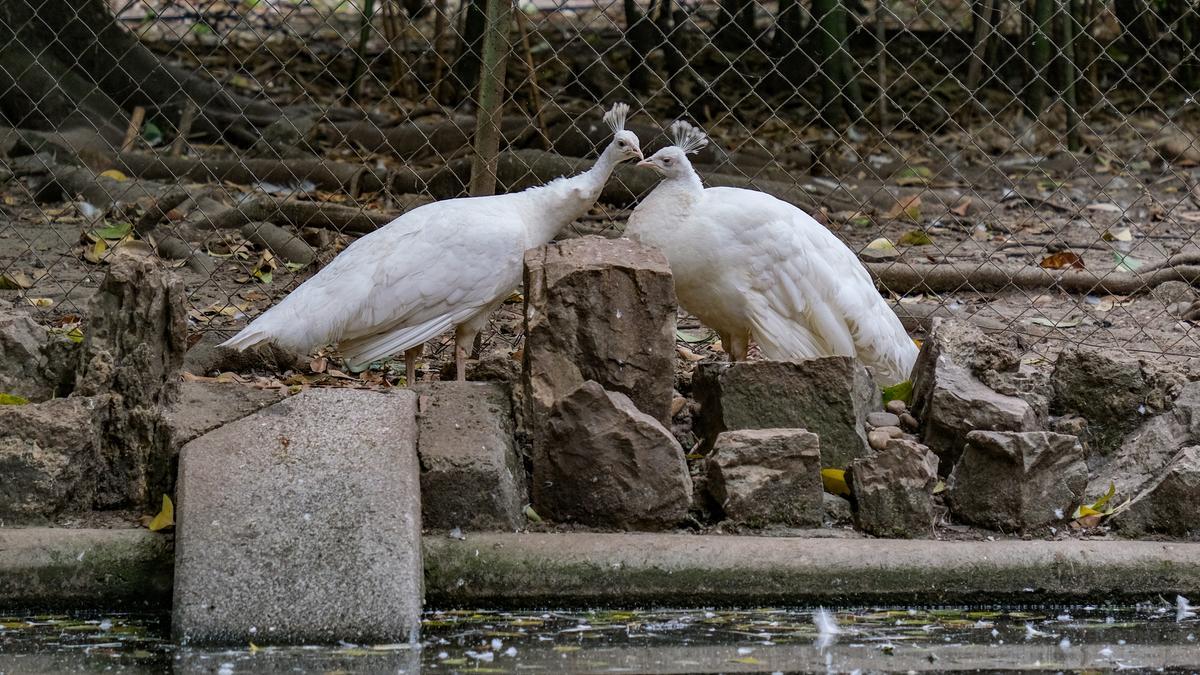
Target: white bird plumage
column 752, row 266
column 443, row 265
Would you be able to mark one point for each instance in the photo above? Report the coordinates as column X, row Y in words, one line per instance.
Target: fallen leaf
column 318, row 365
column 687, row 354
column 15, row 281
column 695, row 336
column 1062, row 259
column 908, row 208
column 95, row 254
column 1097, row 508
column 1126, row 262
column 532, row 515
column 879, row 250
column 940, row 487
column 834, row 482
column 915, row 238
column 1110, row 302
column 165, row 517
column 41, row 302
column 1117, row 234
column 114, row 232
column 962, row 208
column 114, row 174
column 901, row 391
column 748, row 660
column 13, row 399
column 1105, row 207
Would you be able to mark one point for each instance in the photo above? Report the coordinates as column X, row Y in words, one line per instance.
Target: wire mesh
column 1030, row 166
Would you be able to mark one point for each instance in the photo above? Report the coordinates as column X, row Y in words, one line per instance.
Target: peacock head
column 672, row 160
column 625, row 142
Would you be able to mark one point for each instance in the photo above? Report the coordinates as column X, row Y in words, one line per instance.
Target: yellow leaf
column 41, row 302
column 748, row 660
column 915, row 238
column 906, row 209
column 253, row 648
column 834, row 482
column 96, row 254
column 114, row 174
column 1097, row 509
column 165, row 517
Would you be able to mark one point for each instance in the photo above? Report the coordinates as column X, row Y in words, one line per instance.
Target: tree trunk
column 639, row 34
column 466, row 68
column 67, row 64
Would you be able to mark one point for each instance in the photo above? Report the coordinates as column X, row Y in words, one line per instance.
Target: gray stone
column 1170, row 504
column 50, row 458
column 957, row 403
column 22, row 361
column 1113, row 391
column 830, row 397
column 877, row 439
column 471, row 473
column 909, row 422
column 896, row 407
column 837, row 510
column 1016, row 481
column 602, row 310
column 883, row 419
column 204, row 406
column 207, row 357
column 1145, row 453
column 302, row 524
column 893, row 490
column 763, row 477
column 607, row 464
column 1170, row 292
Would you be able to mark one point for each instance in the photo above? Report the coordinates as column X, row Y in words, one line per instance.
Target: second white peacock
column 440, row 266
column 752, row 266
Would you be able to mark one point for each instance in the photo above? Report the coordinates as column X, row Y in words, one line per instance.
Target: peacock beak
column 647, row 163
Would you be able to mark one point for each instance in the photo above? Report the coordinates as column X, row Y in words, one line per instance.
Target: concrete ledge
column 686, row 570
column 42, row 567
column 81, row 569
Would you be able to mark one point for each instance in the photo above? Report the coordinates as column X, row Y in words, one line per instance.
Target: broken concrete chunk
column 603, row 310
column 50, row 458
column 1016, row 481
column 762, row 477
column 1145, row 453
column 471, row 473
column 1170, row 504
column 1114, row 392
column 301, row 524
column 22, row 361
column 604, row 463
column 893, row 490
column 830, row 397
column 955, row 403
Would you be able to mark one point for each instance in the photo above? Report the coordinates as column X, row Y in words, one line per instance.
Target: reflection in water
column 1153, row 636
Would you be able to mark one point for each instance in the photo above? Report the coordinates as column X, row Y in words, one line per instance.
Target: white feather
column 750, row 265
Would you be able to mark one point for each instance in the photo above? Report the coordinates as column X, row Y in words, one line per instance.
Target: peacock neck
column 669, row 207
column 562, row 201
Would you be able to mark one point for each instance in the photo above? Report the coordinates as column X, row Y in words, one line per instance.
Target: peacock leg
column 725, row 344
column 410, row 365
column 464, row 339
column 739, row 347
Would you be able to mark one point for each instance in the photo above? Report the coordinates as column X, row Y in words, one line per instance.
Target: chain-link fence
column 1029, row 166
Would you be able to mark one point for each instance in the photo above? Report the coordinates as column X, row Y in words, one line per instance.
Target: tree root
column 300, row 214
column 413, row 140
column 353, row 179
column 919, row 317
column 985, row 278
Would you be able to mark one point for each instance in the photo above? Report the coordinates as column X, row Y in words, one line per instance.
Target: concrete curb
column 81, row 569
column 55, row 568
column 686, row 570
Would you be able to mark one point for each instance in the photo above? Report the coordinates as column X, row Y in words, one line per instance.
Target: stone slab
column 301, row 524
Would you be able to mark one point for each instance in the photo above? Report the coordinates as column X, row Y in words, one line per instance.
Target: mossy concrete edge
column 532, row 570
column 51, row 568
column 110, row 569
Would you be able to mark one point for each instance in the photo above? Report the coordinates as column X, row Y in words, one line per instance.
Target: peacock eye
column 620, row 144
column 667, row 161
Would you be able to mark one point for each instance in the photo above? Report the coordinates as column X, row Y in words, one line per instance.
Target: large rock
column 607, row 464
column 22, row 362
column 1113, row 391
column 1016, row 481
column 50, row 459
column 602, row 310
column 471, row 473
column 830, row 397
column 893, row 490
column 1170, row 504
column 1147, row 451
column 763, row 477
column 204, row 406
column 302, row 524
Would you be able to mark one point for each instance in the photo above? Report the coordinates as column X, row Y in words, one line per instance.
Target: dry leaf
column 1061, row 260
column 879, row 250
column 962, row 208
column 1118, row 234
column 165, row 517
column 908, row 208
column 318, row 365
column 15, row 281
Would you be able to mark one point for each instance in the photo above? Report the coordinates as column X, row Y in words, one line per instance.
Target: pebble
column 891, row 431
column 882, row 419
column 878, row 439
column 908, row 422
column 896, row 407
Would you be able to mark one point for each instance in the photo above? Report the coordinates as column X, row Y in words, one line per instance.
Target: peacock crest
column 615, row 117
column 687, row 138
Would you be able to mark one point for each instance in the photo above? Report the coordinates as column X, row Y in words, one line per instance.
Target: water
column 1155, row 637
